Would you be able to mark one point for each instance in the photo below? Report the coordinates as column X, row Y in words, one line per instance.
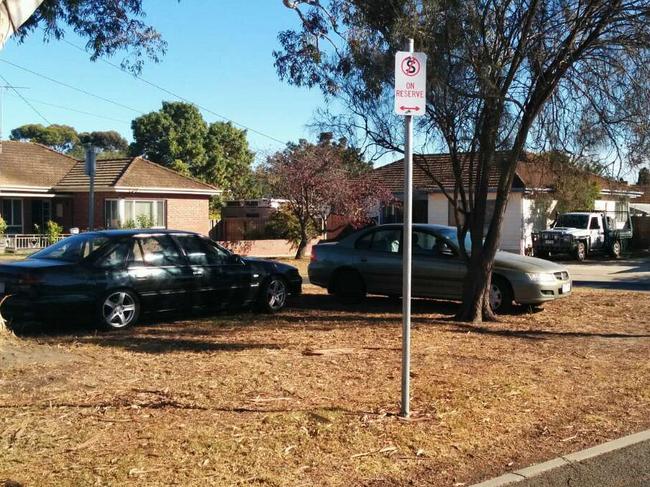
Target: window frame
column 137, row 240
column 9, row 218
column 374, row 233
column 121, row 211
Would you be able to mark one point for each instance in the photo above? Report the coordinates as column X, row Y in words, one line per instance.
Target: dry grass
column 258, row 400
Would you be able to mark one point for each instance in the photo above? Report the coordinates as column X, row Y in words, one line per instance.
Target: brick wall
column 190, row 213
column 265, row 248
column 184, row 212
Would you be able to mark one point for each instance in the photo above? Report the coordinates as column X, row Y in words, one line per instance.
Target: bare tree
column 503, row 77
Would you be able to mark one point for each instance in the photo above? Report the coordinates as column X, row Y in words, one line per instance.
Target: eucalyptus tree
column 504, row 77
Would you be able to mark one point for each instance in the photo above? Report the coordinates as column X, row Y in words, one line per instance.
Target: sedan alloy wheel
column 119, row 310
column 276, row 294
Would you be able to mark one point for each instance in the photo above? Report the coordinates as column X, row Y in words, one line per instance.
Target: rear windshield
column 72, row 249
column 572, row 221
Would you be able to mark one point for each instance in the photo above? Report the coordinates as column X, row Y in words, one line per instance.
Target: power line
column 72, row 87
column 182, row 98
column 41, row 102
column 9, row 86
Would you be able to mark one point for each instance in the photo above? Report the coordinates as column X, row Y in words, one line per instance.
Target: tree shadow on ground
column 534, row 334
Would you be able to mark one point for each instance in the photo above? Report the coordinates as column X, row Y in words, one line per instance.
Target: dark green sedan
column 370, row 262
column 116, row 275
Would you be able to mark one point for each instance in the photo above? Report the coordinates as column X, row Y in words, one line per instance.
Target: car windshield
column 72, row 249
column 572, row 221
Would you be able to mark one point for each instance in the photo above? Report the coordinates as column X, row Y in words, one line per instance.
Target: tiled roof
column 645, row 189
column 131, row 173
column 531, row 173
column 144, row 173
column 425, row 166
column 29, row 164
column 106, row 174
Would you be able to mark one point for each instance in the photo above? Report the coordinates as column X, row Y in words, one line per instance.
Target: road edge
column 533, row 471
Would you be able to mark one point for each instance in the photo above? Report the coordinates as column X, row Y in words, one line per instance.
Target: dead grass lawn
column 243, row 399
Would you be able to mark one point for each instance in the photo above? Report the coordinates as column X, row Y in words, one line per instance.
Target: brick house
column 38, row 184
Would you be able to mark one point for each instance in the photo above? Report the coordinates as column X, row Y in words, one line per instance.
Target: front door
column 437, row 270
column 597, row 233
column 220, row 280
column 41, row 214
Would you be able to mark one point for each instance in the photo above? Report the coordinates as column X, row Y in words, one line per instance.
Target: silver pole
column 406, row 260
column 90, row 171
column 91, row 204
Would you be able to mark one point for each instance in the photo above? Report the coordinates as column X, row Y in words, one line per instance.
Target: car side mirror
column 234, row 259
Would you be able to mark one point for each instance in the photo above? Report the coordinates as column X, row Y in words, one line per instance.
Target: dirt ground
column 310, row 396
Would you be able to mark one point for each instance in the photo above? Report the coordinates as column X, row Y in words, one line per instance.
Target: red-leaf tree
column 317, row 180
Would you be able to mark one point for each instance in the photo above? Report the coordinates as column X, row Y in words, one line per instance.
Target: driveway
column 629, row 274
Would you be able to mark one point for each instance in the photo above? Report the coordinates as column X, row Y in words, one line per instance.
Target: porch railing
column 16, row 243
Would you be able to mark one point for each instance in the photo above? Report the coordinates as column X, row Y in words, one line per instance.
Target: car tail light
column 313, row 257
column 29, row 280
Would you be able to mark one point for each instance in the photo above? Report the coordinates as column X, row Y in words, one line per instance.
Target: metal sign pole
column 91, row 158
column 406, row 260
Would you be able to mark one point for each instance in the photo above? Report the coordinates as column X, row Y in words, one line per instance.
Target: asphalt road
column 627, row 467
column 630, row 274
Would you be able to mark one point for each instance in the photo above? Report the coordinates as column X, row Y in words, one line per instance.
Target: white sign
column 410, row 83
column 13, row 13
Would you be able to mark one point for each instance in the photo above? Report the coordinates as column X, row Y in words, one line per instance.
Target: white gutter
column 127, row 189
column 34, row 189
column 621, row 192
column 26, row 195
column 13, row 14
column 203, row 192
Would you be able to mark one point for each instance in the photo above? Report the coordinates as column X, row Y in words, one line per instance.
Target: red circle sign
column 410, row 66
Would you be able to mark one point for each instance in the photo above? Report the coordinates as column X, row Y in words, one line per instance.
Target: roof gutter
column 201, row 192
column 137, row 190
column 621, row 192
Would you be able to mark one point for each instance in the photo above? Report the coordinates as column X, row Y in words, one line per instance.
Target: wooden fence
column 641, row 228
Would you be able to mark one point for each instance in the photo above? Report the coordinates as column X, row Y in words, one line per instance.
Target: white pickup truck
column 581, row 233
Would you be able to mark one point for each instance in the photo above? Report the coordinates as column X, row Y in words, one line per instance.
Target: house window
column 111, row 214
column 12, row 213
column 120, row 213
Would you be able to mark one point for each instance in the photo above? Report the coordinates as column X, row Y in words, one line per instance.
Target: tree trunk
column 302, row 245
column 476, row 292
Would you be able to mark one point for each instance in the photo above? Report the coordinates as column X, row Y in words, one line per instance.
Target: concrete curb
column 563, row 461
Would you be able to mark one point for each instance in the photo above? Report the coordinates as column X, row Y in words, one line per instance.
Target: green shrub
column 144, row 221
column 3, row 227
column 54, row 231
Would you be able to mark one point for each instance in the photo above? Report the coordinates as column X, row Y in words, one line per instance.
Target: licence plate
column 566, row 288
column 548, row 242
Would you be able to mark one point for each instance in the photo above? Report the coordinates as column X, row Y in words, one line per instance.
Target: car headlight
column 541, row 277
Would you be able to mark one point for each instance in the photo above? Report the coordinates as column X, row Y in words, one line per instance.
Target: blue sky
column 219, row 56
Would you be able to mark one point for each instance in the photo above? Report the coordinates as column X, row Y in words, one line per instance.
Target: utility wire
column 25, row 100
column 182, row 98
column 41, row 102
column 72, row 87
